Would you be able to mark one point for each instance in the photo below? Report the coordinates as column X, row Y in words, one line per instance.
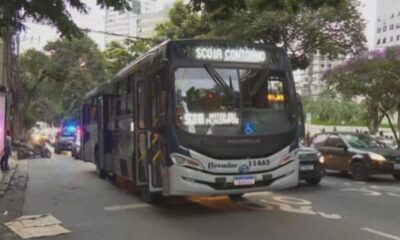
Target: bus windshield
column 230, row 101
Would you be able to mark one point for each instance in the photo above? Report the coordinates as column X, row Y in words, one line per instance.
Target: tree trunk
column 398, row 117
column 375, row 119
column 393, row 130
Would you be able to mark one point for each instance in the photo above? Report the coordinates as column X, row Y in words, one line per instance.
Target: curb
column 5, row 181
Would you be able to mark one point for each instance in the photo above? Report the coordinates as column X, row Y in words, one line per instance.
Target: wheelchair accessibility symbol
column 249, row 128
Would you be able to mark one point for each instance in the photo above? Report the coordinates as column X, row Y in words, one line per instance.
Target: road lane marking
column 254, row 194
column 126, row 207
column 328, row 182
column 382, row 234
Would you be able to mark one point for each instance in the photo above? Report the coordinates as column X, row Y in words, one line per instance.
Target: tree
column 183, row 23
column 117, row 54
column 375, row 77
column 54, row 12
column 76, row 66
column 27, row 89
column 303, row 28
column 52, row 84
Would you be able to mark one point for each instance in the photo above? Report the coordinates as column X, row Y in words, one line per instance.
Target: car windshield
column 231, row 102
column 361, row 141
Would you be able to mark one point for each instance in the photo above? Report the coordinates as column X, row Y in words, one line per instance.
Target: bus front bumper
column 189, row 182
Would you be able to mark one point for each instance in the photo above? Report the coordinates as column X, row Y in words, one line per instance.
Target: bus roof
column 99, row 89
column 184, row 51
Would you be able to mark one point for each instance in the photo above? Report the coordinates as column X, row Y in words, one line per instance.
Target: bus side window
column 140, row 103
column 155, row 111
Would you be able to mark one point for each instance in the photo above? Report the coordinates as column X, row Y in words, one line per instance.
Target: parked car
column 357, row 153
column 311, row 167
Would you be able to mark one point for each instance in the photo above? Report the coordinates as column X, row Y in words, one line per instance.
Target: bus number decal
column 259, row 163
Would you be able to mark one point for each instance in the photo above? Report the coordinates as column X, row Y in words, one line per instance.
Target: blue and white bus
column 197, row 117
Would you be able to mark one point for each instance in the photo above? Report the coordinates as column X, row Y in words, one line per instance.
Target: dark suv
column 357, row 153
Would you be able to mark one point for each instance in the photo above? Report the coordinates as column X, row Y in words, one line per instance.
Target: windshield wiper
column 259, row 81
column 217, row 78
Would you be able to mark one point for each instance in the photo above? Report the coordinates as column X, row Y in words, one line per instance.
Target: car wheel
column 57, row 151
column 343, row 173
column 397, row 176
column 359, row 171
column 313, row 181
column 236, row 196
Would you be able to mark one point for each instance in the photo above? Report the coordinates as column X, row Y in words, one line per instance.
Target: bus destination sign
column 241, row 54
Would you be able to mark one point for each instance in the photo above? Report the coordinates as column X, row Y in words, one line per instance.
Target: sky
column 37, row 35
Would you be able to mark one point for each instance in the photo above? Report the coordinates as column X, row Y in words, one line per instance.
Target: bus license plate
column 308, row 167
column 396, row 166
column 244, row 180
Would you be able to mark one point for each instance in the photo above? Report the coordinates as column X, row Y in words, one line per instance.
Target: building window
column 378, row 42
column 398, row 38
column 384, row 41
column 398, row 25
column 392, row 15
column 379, row 30
column 384, row 28
column 391, row 27
column 391, row 38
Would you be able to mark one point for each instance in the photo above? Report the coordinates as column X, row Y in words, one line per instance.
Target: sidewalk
column 5, row 178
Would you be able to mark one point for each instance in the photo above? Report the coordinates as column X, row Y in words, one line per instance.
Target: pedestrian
column 6, row 153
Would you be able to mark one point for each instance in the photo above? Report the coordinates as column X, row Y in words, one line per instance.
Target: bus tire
column 101, row 173
column 151, row 197
column 236, row 196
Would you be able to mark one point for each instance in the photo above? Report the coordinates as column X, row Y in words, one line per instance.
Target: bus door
column 104, row 134
column 140, row 132
column 149, row 142
column 86, row 138
column 156, row 159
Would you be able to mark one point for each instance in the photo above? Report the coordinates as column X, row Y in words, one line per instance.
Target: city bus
column 197, row 117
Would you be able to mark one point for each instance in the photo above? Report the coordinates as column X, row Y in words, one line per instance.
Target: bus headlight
column 376, row 157
column 181, row 160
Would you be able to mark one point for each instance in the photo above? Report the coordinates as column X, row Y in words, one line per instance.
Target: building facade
column 387, row 27
column 139, row 22
column 309, row 82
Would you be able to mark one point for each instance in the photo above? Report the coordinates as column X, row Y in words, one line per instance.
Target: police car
column 67, row 138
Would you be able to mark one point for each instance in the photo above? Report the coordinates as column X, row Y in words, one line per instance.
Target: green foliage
column 76, row 66
column 183, row 23
column 54, row 12
column 332, row 111
column 303, row 27
column 117, row 54
column 375, row 77
column 52, row 84
column 27, row 88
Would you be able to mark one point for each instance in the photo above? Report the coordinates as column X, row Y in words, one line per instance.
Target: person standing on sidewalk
column 6, row 153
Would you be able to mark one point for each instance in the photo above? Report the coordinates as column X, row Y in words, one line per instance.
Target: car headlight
column 376, row 157
column 181, row 160
column 321, row 159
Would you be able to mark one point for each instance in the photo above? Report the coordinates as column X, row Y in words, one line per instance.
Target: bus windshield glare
column 231, row 101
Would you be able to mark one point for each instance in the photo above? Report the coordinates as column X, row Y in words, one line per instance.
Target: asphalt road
column 96, row 209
